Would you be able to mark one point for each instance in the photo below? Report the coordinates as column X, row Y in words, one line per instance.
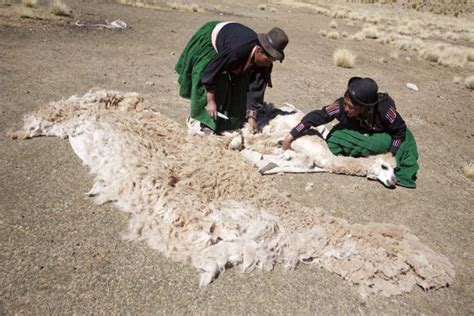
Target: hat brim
column 262, row 38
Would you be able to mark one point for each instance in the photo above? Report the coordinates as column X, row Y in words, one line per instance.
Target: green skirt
column 231, row 90
column 343, row 141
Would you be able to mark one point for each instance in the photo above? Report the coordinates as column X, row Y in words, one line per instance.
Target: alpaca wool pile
column 197, row 202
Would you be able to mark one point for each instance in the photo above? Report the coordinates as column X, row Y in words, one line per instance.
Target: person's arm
column 211, row 106
column 395, row 126
column 217, row 65
column 314, row 118
column 259, row 80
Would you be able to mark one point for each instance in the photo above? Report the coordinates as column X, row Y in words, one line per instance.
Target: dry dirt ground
column 60, row 253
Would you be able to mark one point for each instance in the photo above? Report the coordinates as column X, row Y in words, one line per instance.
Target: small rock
column 150, row 83
column 124, row 82
column 412, row 86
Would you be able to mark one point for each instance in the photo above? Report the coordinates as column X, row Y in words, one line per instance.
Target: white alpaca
column 309, row 153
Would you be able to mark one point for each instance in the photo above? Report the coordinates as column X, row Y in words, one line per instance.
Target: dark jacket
column 234, row 45
column 382, row 117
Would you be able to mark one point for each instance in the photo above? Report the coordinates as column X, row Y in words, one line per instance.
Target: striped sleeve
column 391, row 114
column 395, row 126
column 316, row 118
column 333, row 109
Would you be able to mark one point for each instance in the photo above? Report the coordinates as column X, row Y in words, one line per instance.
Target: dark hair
column 264, row 51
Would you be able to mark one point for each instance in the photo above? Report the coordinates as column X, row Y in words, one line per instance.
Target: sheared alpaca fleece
column 197, row 202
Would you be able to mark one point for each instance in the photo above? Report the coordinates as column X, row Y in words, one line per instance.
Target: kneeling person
column 368, row 124
column 225, row 69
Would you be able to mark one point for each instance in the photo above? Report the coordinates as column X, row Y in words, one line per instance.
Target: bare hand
column 252, row 124
column 287, row 142
column 211, row 108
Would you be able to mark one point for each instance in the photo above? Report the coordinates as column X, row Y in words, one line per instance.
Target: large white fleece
column 195, row 201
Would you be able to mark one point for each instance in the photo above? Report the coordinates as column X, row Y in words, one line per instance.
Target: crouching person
column 369, row 124
column 224, row 70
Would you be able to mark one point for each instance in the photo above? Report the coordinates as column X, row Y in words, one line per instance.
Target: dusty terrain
column 60, row 253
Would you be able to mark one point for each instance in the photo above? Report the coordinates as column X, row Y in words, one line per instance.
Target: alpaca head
column 383, row 169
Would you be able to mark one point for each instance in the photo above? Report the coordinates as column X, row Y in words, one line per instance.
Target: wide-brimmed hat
column 362, row 91
column 274, row 42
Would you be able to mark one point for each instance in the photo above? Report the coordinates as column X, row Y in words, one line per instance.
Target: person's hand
column 252, row 124
column 211, row 108
column 287, row 142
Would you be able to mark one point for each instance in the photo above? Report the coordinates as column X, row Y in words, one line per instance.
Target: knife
column 222, row 115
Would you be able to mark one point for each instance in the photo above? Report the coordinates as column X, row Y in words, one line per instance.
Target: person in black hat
column 225, row 69
column 363, row 109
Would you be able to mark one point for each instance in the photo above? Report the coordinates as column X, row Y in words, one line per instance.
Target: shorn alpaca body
column 309, row 153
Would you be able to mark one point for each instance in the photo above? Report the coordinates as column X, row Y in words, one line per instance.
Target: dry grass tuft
column 344, row 58
column 262, row 7
column 340, row 12
column 425, row 35
column 333, row 35
column 60, row 8
column 409, row 44
column 359, row 36
column 344, row 34
column 333, row 24
column 25, row 12
column 29, row 3
column 430, row 53
column 470, row 54
column 323, row 33
column 469, row 171
column 450, row 36
column 453, row 57
column 394, row 55
column 371, row 32
column 457, row 79
column 469, row 82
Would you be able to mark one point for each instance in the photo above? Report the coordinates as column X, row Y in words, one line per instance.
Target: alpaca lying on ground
column 197, row 202
column 309, row 153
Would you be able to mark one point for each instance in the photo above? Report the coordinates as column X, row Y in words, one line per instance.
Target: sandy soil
column 62, row 254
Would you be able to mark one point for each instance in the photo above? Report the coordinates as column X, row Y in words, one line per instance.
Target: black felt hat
column 362, row 91
column 274, row 42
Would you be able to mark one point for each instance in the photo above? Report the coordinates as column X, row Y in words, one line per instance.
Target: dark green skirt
column 343, row 141
column 231, row 90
